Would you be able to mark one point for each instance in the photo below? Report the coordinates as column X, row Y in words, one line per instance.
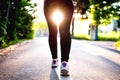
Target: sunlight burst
column 57, row 17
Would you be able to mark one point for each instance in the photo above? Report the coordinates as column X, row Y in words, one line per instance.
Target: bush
column 40, row 28
column 117, row 45
column 15, row 24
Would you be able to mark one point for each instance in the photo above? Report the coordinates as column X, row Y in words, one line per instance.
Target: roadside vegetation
column 117, row 44
column 15, row 21
column 102, row 12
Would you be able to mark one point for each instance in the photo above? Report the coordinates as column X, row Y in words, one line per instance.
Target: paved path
column 88, row 61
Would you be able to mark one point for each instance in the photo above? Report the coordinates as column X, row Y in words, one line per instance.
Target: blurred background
column 97, row 20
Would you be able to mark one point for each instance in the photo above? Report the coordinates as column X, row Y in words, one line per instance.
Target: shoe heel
column 64, row 73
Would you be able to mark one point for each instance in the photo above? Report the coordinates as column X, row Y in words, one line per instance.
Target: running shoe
column 64, row 69
column 54, row 63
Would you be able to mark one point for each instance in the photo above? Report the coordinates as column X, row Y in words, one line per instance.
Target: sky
column 39, row 13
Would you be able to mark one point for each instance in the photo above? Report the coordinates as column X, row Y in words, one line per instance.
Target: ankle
column 55, row 59
column 64, row 62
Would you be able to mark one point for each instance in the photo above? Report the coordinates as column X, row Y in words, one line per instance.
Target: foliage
column 82, row 37
column 109, row 36
column 39, row 25
column 40, row 28
column 15, row 21
column 106, row 36
column 82, row 6
column 117, row 45
column 101, row 10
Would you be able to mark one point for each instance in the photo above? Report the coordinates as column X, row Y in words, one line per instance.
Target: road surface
column 32, row 61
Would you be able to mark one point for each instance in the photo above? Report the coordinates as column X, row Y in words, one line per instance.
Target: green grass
column 81, row 37
column 109, row 36
column 16, row 41
column 4, row 44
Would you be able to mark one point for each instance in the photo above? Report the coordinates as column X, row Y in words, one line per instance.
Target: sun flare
column 57, row 17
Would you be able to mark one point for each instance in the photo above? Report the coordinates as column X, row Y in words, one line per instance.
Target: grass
column 16, row 41
column 81, row 37
column 4, row 44
column 109, row 36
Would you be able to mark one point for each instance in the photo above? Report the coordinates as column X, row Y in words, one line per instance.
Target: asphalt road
column 32, row 61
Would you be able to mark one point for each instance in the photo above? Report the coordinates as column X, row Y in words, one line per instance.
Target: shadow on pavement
column 109, row 61
column 114, row 50
column 53, row 75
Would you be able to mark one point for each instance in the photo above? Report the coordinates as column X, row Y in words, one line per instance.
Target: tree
column 24, row 20
column 3, row 20
column 15, row 20
column 102, row 11
column 12, row 19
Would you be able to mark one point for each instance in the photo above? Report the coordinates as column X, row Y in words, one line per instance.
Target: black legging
column 66, row 6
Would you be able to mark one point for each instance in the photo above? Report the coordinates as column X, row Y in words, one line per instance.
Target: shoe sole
column 64, row 73
column 54, row 66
